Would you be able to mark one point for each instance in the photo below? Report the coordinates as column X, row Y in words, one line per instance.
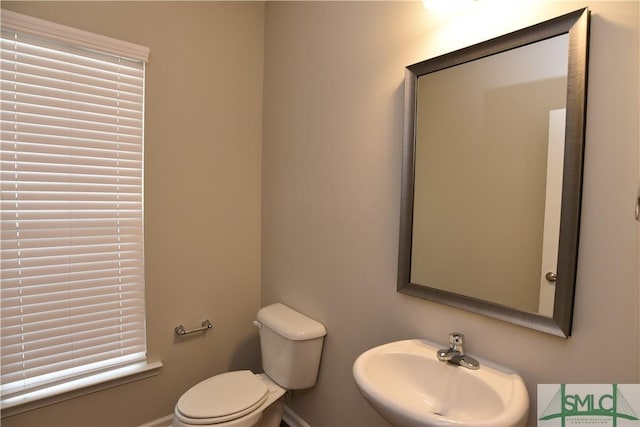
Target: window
column 72, row 265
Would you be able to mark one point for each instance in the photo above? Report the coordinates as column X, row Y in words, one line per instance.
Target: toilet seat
column 222, row 398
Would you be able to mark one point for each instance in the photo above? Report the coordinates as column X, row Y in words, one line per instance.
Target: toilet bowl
column 291, row 346
column 232, row 399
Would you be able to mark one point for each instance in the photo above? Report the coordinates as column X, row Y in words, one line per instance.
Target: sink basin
column 407, row 384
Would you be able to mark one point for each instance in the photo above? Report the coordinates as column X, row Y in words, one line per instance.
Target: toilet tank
column 291, row 345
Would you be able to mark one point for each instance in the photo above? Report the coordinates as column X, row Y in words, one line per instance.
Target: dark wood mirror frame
column 576, row 25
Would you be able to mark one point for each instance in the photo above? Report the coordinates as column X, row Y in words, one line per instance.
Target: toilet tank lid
column 289, row 323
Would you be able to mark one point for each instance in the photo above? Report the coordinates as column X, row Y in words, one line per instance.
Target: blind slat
column 39, row 99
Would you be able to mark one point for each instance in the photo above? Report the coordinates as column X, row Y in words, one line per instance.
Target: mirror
column 492, row 175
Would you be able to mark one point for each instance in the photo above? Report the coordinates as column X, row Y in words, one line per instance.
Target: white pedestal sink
column 407, row 384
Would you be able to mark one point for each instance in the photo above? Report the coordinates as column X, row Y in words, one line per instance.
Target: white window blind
column 72, row 266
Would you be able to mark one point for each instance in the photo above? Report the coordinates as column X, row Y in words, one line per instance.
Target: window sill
column 80, row 387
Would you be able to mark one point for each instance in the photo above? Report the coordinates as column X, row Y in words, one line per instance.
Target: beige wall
column 202, row 194
column 331, row 149
column 331, row 193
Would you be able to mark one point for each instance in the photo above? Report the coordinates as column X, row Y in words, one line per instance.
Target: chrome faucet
column 455, row 353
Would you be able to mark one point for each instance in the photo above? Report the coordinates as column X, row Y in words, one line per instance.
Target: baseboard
column 293, row 419
column 160, row 422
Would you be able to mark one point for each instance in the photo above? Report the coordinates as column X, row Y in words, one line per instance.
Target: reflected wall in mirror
column 492, row 172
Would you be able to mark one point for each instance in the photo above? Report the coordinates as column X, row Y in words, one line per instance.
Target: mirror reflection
column 482, row 165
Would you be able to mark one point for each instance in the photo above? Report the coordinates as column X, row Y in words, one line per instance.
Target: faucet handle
column 456, row 341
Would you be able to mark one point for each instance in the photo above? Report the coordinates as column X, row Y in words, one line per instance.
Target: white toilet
column 291, row 345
